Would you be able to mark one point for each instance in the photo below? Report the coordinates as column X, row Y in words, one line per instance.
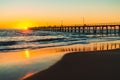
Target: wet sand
column 96, row 65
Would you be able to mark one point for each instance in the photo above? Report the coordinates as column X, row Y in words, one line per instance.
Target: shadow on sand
column 98, row 65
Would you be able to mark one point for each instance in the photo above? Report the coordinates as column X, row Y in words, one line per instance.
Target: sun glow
column 24, row 25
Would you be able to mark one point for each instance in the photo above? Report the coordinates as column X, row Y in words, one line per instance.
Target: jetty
column 84, row 29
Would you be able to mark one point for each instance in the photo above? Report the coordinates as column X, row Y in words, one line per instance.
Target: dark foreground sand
column 98, row 65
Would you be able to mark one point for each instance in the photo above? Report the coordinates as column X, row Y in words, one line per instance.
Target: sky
column 24, row 13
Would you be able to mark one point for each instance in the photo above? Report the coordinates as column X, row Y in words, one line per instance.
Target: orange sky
column 23, row 13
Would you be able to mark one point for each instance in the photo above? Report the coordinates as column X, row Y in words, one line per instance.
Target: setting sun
column 24, row 25
column 25, row 28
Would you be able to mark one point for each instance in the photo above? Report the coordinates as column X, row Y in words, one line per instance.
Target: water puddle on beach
column 21, row 64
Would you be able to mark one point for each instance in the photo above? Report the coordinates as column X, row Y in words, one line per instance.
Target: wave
column 8, row 43
column 11, row 49
column 46, row 40
column 15, row 40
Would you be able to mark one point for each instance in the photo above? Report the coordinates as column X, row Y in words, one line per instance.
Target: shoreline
column 95, row 65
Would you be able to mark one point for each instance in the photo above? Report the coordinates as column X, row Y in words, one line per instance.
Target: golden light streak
column 27, row 75
column 27, row 54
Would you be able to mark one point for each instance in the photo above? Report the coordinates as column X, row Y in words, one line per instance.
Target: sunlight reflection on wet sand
column 31, row 57
column 25, row 55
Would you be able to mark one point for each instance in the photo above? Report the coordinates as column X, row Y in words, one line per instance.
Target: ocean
column 15, row 40
column 26, row 52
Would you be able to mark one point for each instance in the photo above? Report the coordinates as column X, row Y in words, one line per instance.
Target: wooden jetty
column 85, row 29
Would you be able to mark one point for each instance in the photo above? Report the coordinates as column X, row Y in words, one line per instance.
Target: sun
column 26, row 28
column 24, row 25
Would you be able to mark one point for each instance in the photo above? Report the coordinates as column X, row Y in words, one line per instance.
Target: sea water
column 14, row 40
column 25, row 52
